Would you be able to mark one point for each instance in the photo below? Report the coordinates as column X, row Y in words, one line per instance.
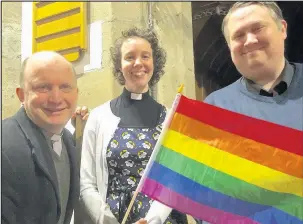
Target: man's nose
column 55, row 95
column 251, row 39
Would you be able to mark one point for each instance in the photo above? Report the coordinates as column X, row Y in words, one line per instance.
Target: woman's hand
column 141, row 221
column 83, row 112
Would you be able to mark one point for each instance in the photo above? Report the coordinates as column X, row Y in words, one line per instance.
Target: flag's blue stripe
column 206, row 196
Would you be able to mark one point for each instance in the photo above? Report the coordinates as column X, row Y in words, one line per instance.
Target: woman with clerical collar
column 120, row 135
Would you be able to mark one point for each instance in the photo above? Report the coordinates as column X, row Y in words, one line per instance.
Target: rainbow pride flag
column 224, row 167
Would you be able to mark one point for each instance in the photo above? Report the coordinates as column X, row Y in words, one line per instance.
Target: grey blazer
column 30, row 192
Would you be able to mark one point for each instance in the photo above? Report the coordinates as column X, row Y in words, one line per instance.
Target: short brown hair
column 272, row 7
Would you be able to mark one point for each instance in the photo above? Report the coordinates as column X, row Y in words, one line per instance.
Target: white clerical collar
column 136, row 96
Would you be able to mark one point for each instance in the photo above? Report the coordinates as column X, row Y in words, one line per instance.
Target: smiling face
column 49, row 93
column 256, row 41
column 136, row 64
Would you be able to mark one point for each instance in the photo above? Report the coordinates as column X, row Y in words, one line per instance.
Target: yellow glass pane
column 61, row 43
column 46, row 33
column 55, row 8
column 59, row 25
column 71, row 56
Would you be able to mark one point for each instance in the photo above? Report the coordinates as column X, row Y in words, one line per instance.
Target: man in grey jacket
column 40, row 176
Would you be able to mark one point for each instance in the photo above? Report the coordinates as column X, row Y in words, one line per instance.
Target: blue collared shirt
column 286, row 78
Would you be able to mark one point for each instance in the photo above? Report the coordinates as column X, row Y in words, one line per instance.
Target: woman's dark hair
column 159, row 54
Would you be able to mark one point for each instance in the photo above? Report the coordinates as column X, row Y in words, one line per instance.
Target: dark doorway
column 214, row 68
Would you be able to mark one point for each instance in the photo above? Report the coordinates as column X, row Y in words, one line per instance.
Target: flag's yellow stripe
column 266, row 155
column 235, row 166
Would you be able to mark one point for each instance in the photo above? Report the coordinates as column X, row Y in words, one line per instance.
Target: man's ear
column 20, row 94
column 284, row 28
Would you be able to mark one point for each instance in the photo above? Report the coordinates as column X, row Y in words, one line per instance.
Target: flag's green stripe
column 229, row 185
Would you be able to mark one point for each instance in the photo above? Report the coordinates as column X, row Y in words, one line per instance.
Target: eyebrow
column 240, row 29
column 144, row 52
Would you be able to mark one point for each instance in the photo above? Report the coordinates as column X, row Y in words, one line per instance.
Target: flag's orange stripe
column 278, row 136
column 266, row 155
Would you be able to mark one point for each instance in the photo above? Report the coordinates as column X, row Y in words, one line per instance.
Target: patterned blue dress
column 127, row 155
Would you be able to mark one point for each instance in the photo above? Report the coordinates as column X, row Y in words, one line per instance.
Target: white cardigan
column 99, row 130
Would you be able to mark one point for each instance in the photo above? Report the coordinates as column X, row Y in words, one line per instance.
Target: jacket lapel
column 74, row 173
column 40, row 151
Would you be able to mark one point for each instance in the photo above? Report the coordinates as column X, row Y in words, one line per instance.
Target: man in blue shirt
column 270, row 87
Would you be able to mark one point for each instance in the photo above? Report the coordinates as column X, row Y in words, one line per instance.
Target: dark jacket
column 30, row 193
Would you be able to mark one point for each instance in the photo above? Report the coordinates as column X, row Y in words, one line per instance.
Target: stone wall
column 100, row 86
column 11, row 56
column 172, row 21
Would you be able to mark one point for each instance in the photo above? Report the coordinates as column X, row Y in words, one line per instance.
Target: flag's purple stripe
column 206, row 196
column 185, row 205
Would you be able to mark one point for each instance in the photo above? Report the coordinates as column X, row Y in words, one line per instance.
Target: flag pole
column 129, row 207
column 155, row 151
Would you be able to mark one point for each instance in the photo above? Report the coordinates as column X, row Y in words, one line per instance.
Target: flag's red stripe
column 265, row 132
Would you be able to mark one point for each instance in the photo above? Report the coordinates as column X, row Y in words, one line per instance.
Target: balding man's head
column 48, row 90
column 41, row 58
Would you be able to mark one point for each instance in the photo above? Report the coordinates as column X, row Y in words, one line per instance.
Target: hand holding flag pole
column 155, row 151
